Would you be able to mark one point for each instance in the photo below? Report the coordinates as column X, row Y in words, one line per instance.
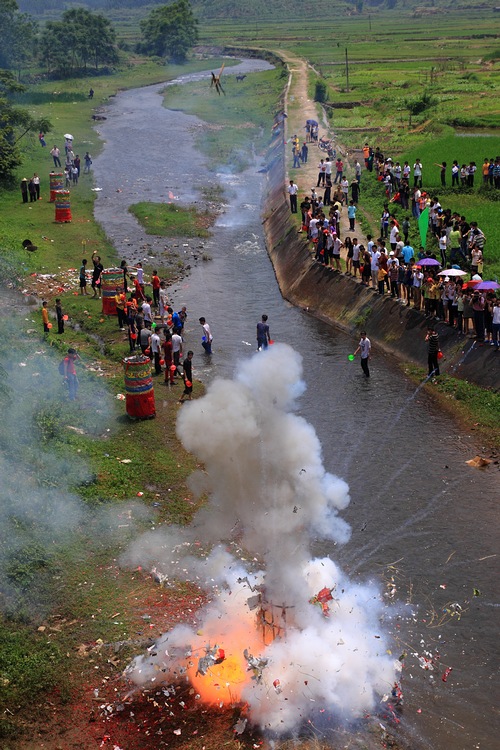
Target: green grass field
column 166, row 220
column 240, row 122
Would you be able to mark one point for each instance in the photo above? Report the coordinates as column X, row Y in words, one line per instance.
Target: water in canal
column 419, row 514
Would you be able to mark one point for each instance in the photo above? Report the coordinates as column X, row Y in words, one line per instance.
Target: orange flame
column 223, row 683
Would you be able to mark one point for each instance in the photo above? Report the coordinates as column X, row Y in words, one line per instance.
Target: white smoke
column 268, row 487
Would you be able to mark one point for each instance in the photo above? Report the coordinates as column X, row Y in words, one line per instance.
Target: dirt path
column 299, row 108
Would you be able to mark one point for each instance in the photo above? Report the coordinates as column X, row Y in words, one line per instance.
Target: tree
column 15, row 123
column 18, row 36
column 169, row 31
column 79, row 41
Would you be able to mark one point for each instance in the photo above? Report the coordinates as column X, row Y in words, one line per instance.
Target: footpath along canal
column 423, row 522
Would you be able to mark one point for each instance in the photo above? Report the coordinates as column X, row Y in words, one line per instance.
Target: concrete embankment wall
column 346, row 304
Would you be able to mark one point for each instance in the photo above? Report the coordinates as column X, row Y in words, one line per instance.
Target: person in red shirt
column 155, row 281
column 138, row 293
column 70, row 373
column 168, row 357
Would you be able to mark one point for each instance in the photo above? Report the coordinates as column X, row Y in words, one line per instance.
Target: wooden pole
column 346, row 72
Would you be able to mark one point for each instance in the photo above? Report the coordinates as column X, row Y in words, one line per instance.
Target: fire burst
column 274, row 638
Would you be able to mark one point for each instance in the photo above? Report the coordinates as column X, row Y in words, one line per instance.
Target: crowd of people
column 72, row 162
column 153, row 328
column 400, row 175
column 389, row 264
column 30, row 188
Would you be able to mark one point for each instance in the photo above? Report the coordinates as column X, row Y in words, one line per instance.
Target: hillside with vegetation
column 260, row 9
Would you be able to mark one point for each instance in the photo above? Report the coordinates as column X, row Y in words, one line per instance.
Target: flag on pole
column 423, row 226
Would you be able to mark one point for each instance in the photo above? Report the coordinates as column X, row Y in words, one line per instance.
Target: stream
column 418, row 512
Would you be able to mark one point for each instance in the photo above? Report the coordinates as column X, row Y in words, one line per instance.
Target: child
column 83, row 277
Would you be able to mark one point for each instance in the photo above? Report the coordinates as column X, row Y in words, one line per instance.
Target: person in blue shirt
column 407, row 253
column 263, row 335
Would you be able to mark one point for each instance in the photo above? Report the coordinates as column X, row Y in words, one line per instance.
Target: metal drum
column 111, row 280
column 139, row 392
column 56, row 181
column 63, row 207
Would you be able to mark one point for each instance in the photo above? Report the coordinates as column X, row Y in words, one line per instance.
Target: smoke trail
column 40, row 510
column 268, row 486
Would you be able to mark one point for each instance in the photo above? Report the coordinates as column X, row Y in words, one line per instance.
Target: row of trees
column 81, row 42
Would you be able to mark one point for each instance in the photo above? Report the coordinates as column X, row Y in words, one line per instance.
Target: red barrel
column 111, row 280
column 63, row 207
column 139, row 392
column 56, row 182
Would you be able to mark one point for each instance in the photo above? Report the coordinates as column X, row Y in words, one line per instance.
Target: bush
column 320, row 91
column 424, row 102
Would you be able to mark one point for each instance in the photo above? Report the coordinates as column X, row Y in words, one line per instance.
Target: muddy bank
column 341, row 301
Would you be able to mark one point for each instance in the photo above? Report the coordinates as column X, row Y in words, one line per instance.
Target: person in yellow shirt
column 486, row 171
column 120, row 307
column 45, row 317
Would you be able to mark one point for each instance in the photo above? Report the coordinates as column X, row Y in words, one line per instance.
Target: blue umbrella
column 311, row 122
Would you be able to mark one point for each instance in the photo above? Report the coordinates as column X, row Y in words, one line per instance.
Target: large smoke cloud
column 267, row 487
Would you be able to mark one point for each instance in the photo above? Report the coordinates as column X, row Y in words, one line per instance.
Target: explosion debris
column 283, row 658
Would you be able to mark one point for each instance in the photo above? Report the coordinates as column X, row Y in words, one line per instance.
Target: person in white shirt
column 365, row 348
column 313, row 229
column 355, row 256
column 496, row 324
column 55, row 153
column 345, row 190
column 207, row 339
column 418, row 278
column 417, row 173
column 337, row 245
column 374, row 267
column 155, row 351
column 399, row 247
column 443, row 244
column 292, row 192
column 176, row 347
column 146, row 312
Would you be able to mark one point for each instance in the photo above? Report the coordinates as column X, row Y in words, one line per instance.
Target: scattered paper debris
column 478, row 462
